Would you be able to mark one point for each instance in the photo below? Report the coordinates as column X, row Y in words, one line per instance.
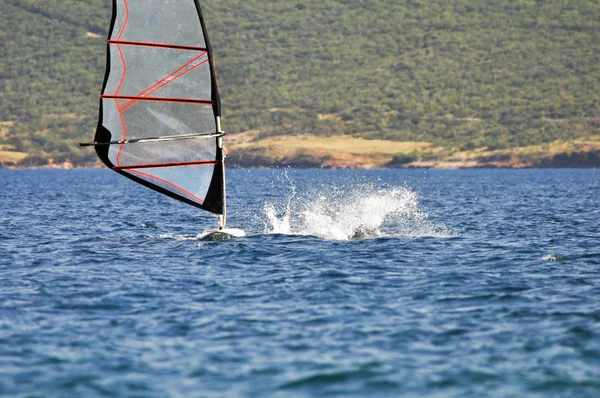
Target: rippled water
column 350, row 283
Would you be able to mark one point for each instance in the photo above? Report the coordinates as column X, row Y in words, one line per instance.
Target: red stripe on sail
column 172, row 164
column 157, row 45
column 121, row 81
column 126, row 19
column 124, row 132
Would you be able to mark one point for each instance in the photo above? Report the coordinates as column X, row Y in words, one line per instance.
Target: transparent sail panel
column 158, row 72
column 159, row 120
column 158, row 21
column 163, row 153
column 156, row 119
column 189, row 182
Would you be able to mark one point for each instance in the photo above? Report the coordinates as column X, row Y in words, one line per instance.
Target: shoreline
column 247, row 150
column 585, row 160
column 431, row 165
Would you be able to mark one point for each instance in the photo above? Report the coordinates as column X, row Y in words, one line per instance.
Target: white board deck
column 221, row 234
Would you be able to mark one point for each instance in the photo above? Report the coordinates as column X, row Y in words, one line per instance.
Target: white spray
column 356, row 212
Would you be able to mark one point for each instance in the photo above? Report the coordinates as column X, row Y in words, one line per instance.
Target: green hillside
column 459, row 74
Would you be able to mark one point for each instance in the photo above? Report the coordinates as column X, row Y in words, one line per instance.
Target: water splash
column 280, row 221
column 552, row 257
column 356, row 212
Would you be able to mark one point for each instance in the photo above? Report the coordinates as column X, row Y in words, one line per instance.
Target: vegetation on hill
column 460, row 74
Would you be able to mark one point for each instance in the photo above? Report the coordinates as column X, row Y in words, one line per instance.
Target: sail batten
column 160, row 92
column 142, row 140
column 158, row 45
column 158, row 99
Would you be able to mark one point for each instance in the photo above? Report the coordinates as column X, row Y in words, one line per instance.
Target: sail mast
column 223, row 218
column 216, row 98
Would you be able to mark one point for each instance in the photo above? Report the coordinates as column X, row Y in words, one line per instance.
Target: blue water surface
column 468, row 283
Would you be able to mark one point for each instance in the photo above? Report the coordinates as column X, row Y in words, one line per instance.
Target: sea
column 349, row 283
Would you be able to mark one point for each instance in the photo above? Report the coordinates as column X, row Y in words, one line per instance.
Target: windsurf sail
column 159, row 121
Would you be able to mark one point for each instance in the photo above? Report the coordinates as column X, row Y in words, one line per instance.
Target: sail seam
column 121, row 80
column 124, row 132
column 126, row 19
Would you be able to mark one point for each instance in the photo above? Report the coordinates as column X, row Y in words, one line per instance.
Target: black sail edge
column 102, row 134
column 215, row 85
column 213, row 202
